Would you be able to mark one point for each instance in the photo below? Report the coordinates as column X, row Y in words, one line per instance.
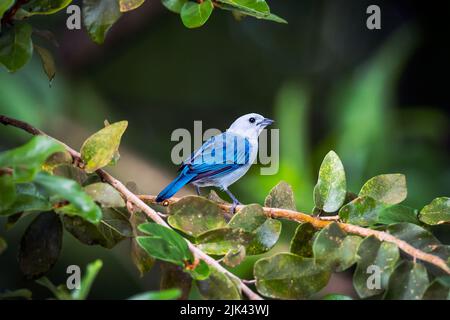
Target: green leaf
column 129, row 5
column 173, row 277
column 218, row 287
column 386, row 188
column 255, row 5
column 164, row 244
column 437, row 212
column 334, row 296
column 234, row 257
column 99, row 16
column 91, row 273
column 374, row 256
column 170, row 294
column 254, row 8
column 330, row 190
column 99, row 149
column 195, row 215
column 363, row 211
column 266, row 231
column 194, row 14
column 16, row 46
column 398, row 213
column 302, row 242
column 112, row 228
column 60, row 292
column 174, row 5
column 221, row 241
column 105, row 194
column 7, row 191
column 201, row 271
column 3, row 245
column 64, row 189
column 48, row 63
column 29, row 198
column 56, row 160
column 140, row 258
column 4, row 6
column 281, row 196
column 439, row 289
column 334, row 249
column 419, row 238
column 408, row 282
column 28, row 159
column 19, row 293
column 40, row 245
column 288, row 276
column 45, row 6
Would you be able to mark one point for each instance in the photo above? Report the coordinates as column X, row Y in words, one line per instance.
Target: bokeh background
column 379, row 98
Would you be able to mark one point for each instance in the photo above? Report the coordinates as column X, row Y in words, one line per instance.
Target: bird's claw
column 234, row 206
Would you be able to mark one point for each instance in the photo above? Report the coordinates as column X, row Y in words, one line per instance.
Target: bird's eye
column 252, row 120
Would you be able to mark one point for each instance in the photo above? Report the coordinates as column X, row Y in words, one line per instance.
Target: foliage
column 94, row 212
column 16, row 43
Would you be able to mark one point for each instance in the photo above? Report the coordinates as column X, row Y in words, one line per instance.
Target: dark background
column 379, row 98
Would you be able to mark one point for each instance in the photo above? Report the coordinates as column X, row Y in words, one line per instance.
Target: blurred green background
column 378, row 98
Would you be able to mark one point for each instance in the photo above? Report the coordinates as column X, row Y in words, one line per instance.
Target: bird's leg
column 197, row 189
column 235, row 201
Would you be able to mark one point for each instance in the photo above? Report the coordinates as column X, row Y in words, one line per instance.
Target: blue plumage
column 221, row 160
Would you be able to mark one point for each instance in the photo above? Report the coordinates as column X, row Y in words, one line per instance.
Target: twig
column 349, row 228
column 132, row 198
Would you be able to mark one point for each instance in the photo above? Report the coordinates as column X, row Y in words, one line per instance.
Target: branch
column 322, row 223
column 132, row 198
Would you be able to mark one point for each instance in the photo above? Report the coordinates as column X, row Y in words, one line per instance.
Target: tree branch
column 132, row 198
column 322, row 223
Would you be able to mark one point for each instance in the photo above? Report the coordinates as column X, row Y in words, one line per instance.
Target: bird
column 221, row 160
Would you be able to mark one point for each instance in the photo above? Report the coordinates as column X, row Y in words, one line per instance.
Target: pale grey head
column 250, row 125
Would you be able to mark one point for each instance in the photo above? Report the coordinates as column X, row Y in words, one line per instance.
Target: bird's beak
column 265, row 122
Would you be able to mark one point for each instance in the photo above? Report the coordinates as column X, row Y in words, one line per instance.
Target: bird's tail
column 178, row 183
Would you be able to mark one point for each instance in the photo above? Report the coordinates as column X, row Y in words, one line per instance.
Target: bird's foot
column 234, row 206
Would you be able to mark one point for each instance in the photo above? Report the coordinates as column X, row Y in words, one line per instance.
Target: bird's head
column 250, row 125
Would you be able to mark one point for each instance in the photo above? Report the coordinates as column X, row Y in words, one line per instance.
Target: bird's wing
column 219, row 155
